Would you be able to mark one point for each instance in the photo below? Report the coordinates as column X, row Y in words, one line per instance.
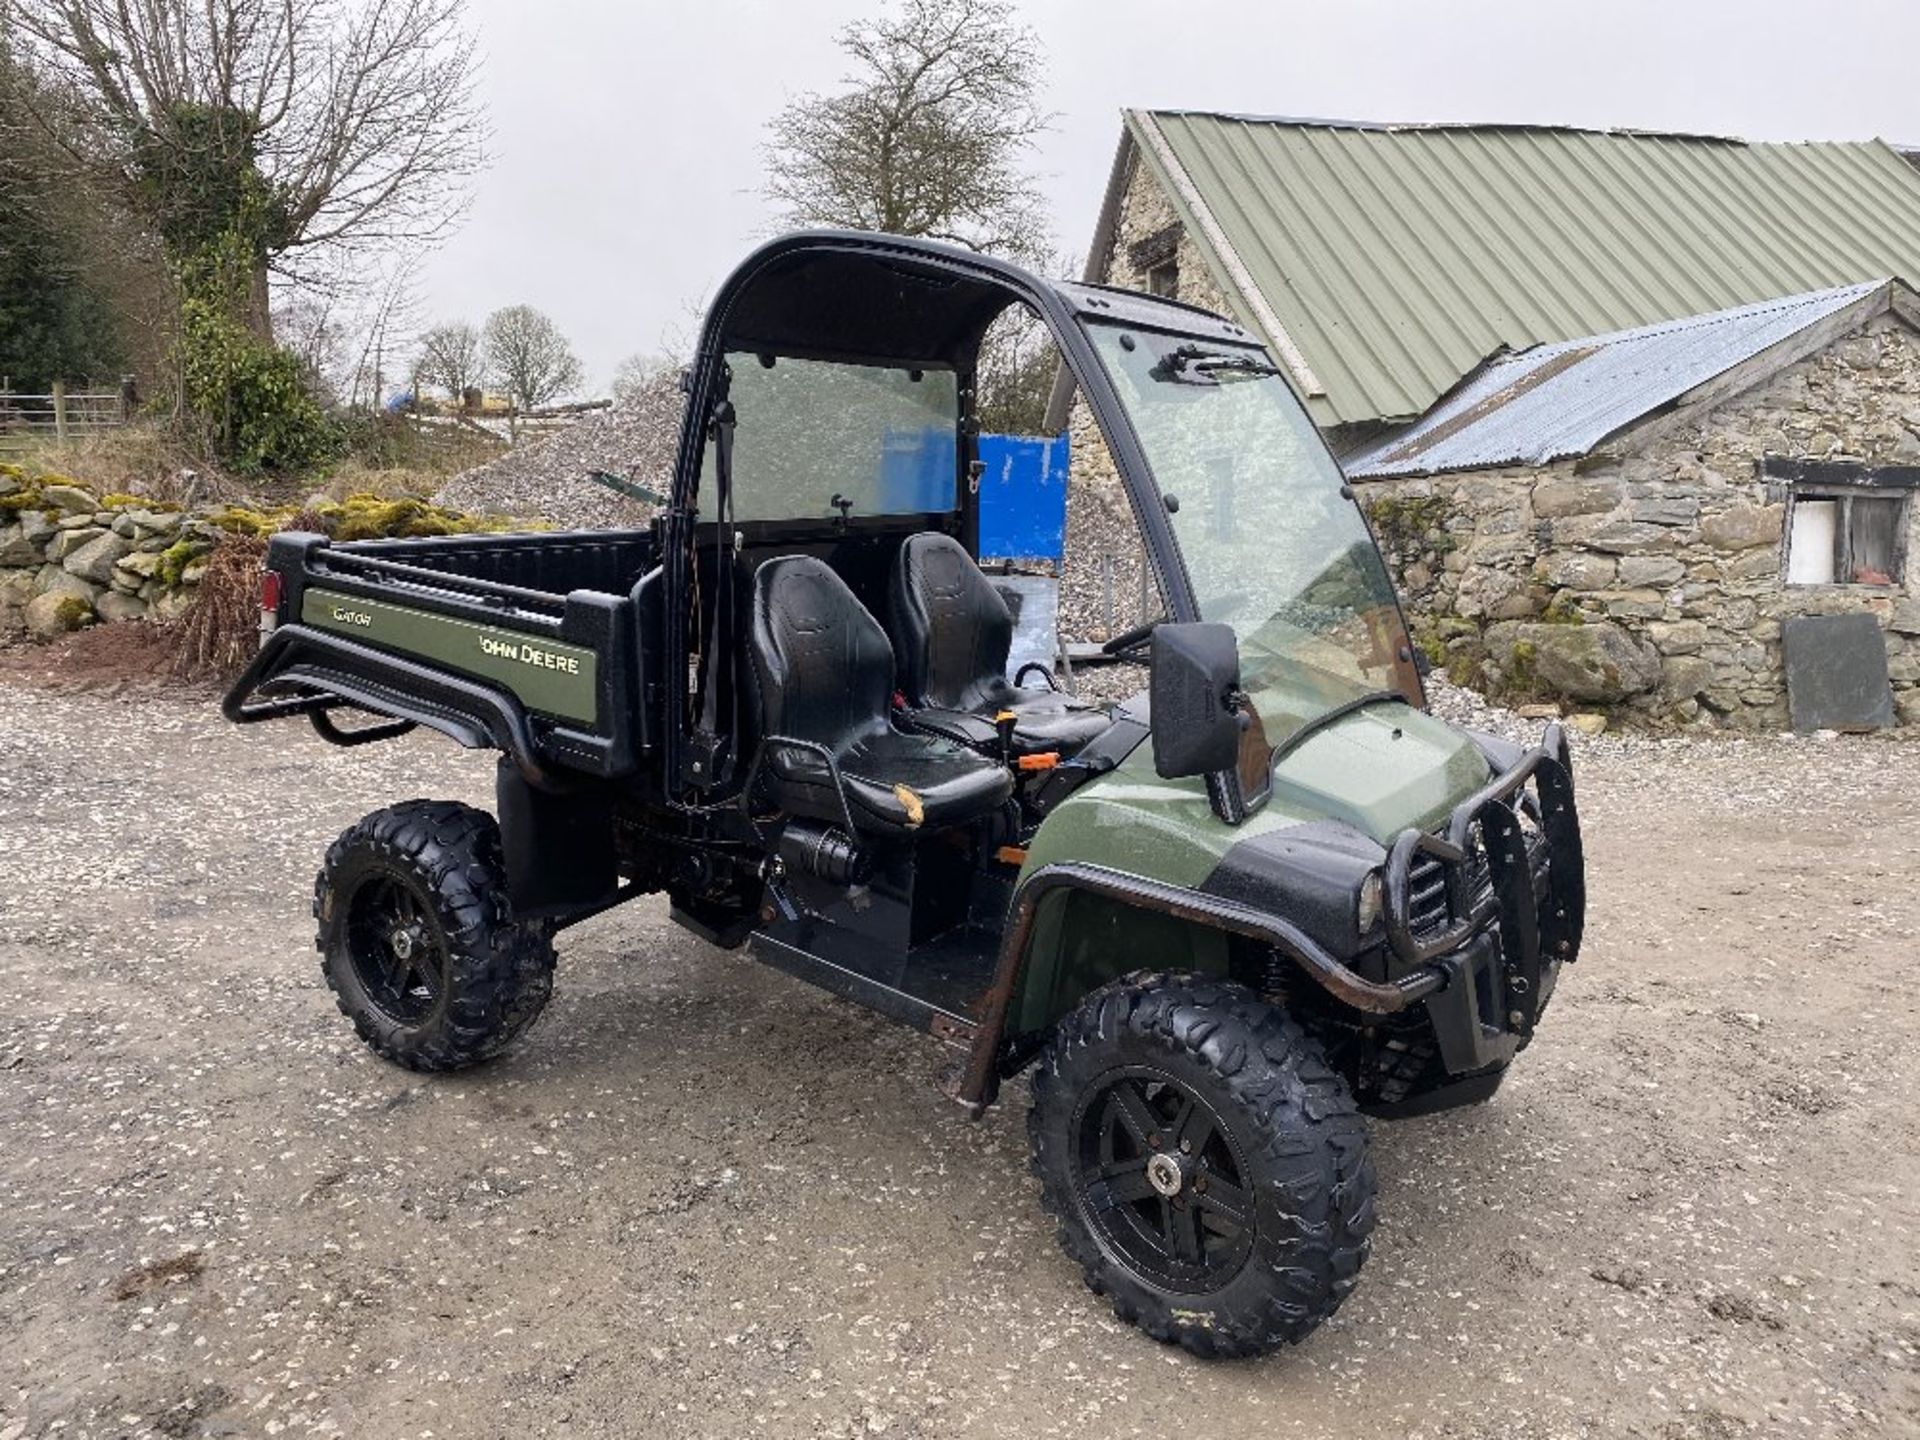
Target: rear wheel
column 417, row 942
column 1207, row 1168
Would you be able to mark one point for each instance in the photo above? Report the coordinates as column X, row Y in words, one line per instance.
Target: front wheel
column 417, row 942
column 1207, row 1167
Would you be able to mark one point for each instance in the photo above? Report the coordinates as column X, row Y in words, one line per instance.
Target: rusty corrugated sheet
column 1393, row 260
column 1556, row 401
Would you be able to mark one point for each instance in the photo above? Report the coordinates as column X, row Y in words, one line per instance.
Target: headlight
column 1372, row 891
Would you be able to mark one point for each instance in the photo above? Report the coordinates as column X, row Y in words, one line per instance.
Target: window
column 1846, row 522
column 1164, row 280
column 1157, row 258
column 815, row 438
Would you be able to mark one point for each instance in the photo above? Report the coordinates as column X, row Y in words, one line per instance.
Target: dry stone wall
column 69, row 558
column 1648, row 579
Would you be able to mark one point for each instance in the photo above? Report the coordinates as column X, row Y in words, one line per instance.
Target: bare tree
column 528, row 357
column 450, row 357
column 930, row 136
column 288, row 126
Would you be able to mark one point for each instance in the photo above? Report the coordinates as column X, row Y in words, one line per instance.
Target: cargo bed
column 528, row 643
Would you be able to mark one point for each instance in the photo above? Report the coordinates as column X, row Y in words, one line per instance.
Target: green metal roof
column 1383, row 263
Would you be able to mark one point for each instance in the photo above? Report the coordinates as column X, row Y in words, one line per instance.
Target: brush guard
column 1515, row 877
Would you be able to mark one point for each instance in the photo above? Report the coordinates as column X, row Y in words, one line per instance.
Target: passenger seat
column 953, row 632
column 823, row 673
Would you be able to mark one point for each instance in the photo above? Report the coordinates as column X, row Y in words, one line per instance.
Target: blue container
column 1023, row 497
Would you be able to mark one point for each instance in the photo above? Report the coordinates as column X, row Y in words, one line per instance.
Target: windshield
column 1271, row 545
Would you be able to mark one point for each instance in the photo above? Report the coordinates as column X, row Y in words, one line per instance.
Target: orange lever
column 1045, row 760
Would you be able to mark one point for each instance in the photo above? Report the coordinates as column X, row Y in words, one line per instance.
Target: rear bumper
column 1515, row 905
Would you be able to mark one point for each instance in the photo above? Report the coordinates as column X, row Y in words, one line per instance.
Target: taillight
column 269, row 602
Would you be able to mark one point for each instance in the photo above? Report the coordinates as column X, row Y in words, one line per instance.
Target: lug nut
column 1186, row 1147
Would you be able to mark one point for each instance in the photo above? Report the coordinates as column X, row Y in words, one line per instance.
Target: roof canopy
column 1384, row 263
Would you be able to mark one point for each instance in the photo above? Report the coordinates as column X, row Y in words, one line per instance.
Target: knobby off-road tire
column 1153, row 1060
column 417, row 942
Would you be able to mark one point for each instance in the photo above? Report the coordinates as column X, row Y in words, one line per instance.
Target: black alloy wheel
column 1162, row 1181
column 418, row 940
column 1207, row 1167
column 395, row 950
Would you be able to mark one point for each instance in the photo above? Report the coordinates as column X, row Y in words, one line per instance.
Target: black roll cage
column 1061, row 307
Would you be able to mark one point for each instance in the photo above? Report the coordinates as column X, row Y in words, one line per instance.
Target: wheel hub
column 403, row 943
column 1165, row 1174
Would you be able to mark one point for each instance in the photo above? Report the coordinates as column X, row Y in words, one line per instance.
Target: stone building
column 1628, row 521
column 1419, row 283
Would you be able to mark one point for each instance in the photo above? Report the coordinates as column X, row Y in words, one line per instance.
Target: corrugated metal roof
column 1561, row 400
column 1392, row 260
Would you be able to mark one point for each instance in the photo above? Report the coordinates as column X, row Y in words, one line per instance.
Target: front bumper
column 1495, row 901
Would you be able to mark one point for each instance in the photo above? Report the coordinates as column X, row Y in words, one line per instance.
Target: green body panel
column 555, row 679
column 1380, row 770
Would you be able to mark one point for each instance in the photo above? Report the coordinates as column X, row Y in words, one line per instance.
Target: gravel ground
column 702, row 1199
column 637, row 440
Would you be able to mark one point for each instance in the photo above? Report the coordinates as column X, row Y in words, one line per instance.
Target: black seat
column 823, row 672
column 954, row 632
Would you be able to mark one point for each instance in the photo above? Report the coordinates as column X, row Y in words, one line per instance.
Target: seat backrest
column 822, row 667
column 952, row 628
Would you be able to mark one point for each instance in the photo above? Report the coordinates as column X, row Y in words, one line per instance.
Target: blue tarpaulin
column 1023, row 497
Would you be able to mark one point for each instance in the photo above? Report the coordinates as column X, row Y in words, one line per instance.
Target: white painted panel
column 1810, row 547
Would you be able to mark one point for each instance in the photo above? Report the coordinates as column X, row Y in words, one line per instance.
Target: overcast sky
column 625, row 172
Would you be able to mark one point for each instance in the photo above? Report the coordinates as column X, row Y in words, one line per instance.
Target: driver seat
column 823, row 673
column 954, row 633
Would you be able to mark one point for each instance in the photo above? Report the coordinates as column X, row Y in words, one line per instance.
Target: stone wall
column 69, row 558
column 1647, row 578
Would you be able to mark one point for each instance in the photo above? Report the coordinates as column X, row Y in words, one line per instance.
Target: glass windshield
column 811, row 434
column 1272, row 546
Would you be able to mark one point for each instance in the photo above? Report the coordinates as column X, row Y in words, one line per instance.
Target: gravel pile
column 549, row 478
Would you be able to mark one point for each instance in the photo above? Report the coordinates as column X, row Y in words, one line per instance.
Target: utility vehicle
column 1216, row 921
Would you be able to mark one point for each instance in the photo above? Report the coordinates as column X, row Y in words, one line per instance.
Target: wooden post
column 60, row 411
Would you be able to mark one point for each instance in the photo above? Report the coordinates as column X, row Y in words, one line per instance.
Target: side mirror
column 1192, row 689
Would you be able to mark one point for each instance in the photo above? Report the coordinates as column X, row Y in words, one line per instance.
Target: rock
column 1637, row 570
column 1578, row 571
column 1554, row 498
column 170, row 604
column 1538, row 712
column 1598, row 663
column 95, row 560
column 1677, row 637
column 120, row 607
column 1416, row 576
column 79, row 522
column 141, row 564
column 52, row 580
column 148, row 524
column 1682, row 677
column 68, row 541
column 1743, row 526
column 54, row 614
column 123, row 525
column 1634, row 604
column 16, row 549
column 69, row 498
column 1667, row 510
column 1631, row 537
column 36, row 528
column 1905, row 619
column 16, row 589
column 1587, row 723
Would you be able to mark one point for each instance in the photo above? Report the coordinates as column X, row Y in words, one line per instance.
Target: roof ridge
column 1545, row 127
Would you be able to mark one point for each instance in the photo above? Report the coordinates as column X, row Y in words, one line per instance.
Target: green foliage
column 53, row 324
column 201, row 183
column 363, row 517
column 249, row 398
